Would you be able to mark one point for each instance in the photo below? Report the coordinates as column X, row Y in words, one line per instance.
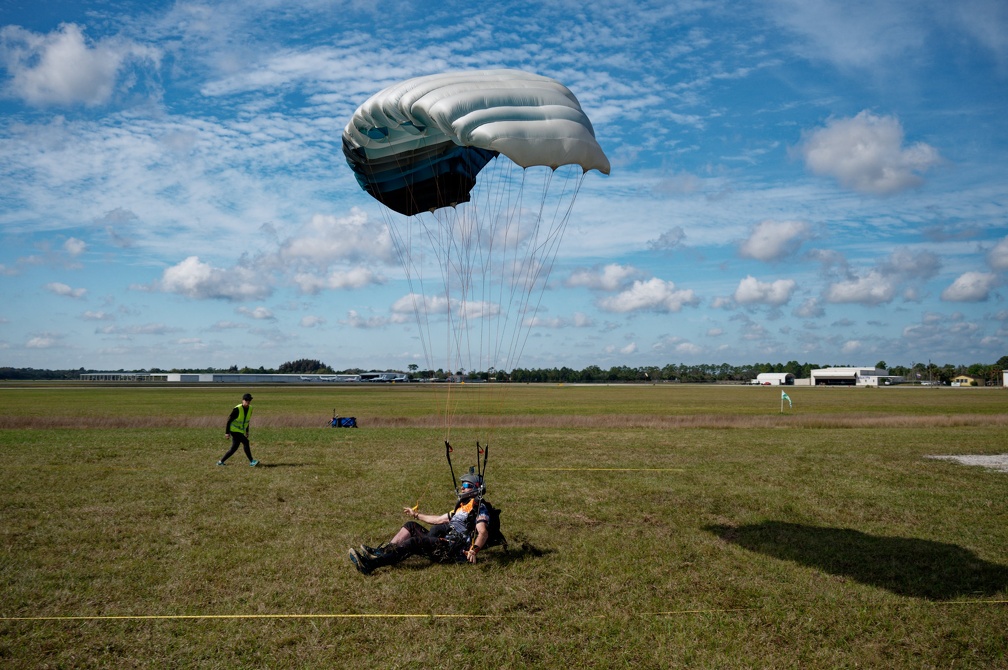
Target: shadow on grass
column 906, row 566
column 518, row 550
column 282, row 465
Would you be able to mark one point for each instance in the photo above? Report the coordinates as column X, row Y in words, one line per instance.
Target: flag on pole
column 784, row 396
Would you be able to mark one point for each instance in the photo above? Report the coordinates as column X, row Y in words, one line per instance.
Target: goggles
column 468, row 485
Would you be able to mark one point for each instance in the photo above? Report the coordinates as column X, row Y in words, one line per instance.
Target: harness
column 453, row 544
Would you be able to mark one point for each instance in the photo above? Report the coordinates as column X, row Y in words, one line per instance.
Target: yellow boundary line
column 141, row 617
column 603, row 469
column 387, row 615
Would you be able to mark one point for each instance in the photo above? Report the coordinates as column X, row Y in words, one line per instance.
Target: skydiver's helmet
column 472, row 485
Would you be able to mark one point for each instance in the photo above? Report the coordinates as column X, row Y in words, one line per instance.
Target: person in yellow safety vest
column 237, row 428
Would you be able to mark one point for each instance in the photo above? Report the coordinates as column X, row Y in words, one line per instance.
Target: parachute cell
column 419, row 145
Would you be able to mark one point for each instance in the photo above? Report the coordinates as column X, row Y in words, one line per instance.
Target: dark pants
column 432, row 543
column 239, row 439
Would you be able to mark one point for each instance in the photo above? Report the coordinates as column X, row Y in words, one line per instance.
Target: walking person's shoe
column 253, row 463
column 221, row 463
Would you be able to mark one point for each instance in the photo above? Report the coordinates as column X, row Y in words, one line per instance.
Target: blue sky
column 791, row 180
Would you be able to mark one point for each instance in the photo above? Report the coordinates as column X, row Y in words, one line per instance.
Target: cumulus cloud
column 63, row 68
column 195, row 279
column 866, row 154
column 311, row 321
column 578, row 320
column 668, row 240
column 872, row 289
column 908, row 264
column 774, row 240
column 74, row 247
column 899, row 273
column 751, row 291
column 655, row 295
column 971, row 287
column 328, row 239
column 851, row 347
column 337, row 279
column 997, row 257
column 612, row 277
column 415, row 302
column 810, row 309
column 60, row 288
column 259, row 313
column 45, row 341
column 355, row 320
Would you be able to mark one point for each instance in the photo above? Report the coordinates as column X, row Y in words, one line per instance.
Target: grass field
column 650, row 526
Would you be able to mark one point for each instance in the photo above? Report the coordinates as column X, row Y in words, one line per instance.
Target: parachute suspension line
column 557, row 229
column 403, row 243
column 403, row 240
column 515, row 269
column 499, row 212
column 533, row 263
column 440, row 238
column 412, row 258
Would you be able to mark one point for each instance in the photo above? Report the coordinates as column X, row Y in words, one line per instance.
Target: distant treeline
column 701, row 373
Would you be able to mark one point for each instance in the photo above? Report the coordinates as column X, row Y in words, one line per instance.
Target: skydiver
column 448, row 540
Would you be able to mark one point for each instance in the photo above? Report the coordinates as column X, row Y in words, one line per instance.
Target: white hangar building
column 774, row 379
column 853, row 377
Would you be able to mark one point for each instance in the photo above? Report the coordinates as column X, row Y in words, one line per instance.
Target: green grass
column 650, row 526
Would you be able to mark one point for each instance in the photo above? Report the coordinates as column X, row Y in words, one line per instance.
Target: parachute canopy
column 417, row 146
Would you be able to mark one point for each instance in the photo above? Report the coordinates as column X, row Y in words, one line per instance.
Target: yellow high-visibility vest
column 241, row 423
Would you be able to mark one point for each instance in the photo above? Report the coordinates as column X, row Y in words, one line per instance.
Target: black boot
column 368, row 561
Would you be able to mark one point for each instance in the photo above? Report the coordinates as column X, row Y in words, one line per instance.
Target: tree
column 304, row 366
column 881, row 366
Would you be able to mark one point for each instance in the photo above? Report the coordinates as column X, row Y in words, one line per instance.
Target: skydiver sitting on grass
column 448, row 540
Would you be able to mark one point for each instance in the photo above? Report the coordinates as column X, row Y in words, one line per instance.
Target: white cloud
column 42, row 342
column 128, row 331
column 863, row 35
column 311, row 321
column 908, row 264
column 578, row 320
column 74, row 247
column 355, row 320
column 414, row 302
column 611, row 277
column 751, row 291
column 328, row 239
column 997, row 257
column 774, row 240
column 688, row 349
column 872, row 289
column 866, row 153
column 62, row 68
column 654, row 295
column 810, row 309
column 851, row 347
column 62, row 289
column 971, row 287
column 337, row 279
column 259, row 313
column 196, row 279
column 668, row 240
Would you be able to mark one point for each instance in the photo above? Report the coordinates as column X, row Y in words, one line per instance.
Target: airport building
column 853, row 377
